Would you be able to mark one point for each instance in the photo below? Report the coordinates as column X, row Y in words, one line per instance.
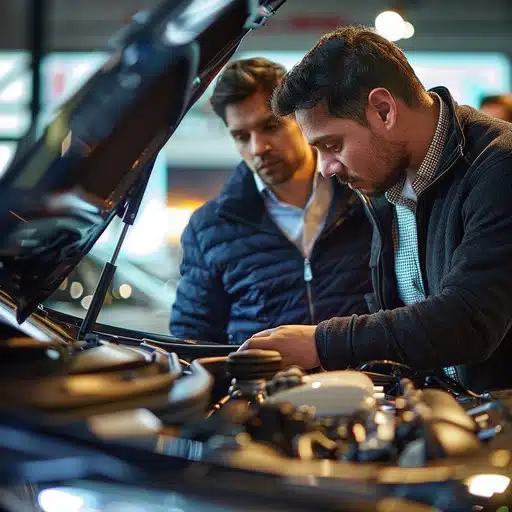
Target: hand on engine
column 296, row 343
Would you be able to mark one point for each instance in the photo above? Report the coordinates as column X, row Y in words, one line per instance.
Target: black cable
column 453, row 386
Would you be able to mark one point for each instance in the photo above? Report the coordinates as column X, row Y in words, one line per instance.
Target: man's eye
column 240, row 137
column 334, row 148
column 271, row 127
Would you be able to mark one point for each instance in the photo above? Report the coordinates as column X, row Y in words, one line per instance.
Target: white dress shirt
column 301, row 226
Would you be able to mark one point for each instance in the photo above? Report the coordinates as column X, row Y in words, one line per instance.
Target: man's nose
column 259, row 144
column 329, row 166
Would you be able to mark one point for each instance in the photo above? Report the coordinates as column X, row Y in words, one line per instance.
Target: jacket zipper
column 308, row 273
column 308, row 277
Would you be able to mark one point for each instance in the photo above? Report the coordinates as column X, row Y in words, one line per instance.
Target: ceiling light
column 408, row 30
column 391, row 25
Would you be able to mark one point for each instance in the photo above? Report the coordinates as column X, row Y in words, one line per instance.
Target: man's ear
column 382, row 109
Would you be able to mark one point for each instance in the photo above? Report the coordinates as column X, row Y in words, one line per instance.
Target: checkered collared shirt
column 404, row 196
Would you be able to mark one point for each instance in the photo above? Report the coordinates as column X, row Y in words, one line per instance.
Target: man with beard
column 280, row 244
column 499, row 106
column 441, row 179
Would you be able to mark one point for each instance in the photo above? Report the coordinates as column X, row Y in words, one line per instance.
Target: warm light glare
column 148, row 234
column 157, row 224
column 86, row 301
column 178, row 218
column 391, row 25
column 125, row 290
column 408, row 30
column 487, row 485
column 76, row 289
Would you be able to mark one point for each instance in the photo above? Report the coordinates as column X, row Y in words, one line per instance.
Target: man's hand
column 296, row 343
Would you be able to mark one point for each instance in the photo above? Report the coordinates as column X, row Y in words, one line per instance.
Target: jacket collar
column 241, row 200
column 452, row 151
column 240, row 197
column 455, row 141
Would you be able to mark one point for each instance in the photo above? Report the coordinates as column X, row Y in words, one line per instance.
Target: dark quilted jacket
column 240, row 274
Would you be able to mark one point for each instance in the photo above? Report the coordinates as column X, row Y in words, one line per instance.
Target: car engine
column 243, row 423
column 384, row 427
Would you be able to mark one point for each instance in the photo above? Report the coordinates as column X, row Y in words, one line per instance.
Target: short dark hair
column 241, row 79
column 341, row 69
column 505, row 100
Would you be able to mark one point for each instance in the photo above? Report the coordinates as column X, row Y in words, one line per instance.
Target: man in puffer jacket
column 280, row 244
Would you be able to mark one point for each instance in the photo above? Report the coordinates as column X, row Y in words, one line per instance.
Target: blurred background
column 48, row 48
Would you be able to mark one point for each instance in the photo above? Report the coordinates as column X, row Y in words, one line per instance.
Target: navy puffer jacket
column 240, row 274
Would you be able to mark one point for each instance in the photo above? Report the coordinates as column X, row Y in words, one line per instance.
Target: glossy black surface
column 60, row 193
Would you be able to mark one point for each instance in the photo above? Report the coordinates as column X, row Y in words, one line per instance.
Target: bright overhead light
column 86, row 301
column 125, row 291
column 76, row 290
column 177, row 219
column 408, row 30
column 391, row 25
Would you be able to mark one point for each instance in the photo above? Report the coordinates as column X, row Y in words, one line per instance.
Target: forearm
column 454, row 328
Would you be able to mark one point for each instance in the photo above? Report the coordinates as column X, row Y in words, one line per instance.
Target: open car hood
column 61, row 192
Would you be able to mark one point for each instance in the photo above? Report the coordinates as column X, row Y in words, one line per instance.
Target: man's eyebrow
column 258, row 124
column 319, row 140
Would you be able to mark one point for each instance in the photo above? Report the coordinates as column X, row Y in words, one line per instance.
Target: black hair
column 342, row 69
column 505, row 100
column 241, row 79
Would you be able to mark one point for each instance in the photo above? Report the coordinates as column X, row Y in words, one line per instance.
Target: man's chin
column 376, row 192
column 364, row 190
column 382, row 188
column 371, row 192
column 276, row 179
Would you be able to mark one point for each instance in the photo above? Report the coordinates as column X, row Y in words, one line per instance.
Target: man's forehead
column 314, row 121
column 247, row 114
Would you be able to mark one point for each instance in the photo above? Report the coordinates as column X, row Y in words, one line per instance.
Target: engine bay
column 380, row 429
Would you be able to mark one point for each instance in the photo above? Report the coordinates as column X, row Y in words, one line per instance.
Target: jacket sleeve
column 463, row 324
column 202, row 306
